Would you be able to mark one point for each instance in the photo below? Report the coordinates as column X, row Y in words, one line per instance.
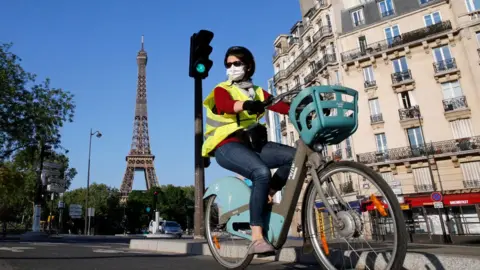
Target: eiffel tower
column 140, row 157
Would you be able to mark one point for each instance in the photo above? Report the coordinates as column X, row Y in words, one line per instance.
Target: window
column 451, row 90
column 362, row 43
column 374, row 107
column 357, row 17
column 329, row 22
column 386, row 8
column 423, row 179
column 405, row 101
column 391, row 33
column 400, row 64
column 337, row 77
column 442, row 53
column 292, row 139
column 471, row 174
column 461, row 128
column 422, row 2
column 415, row 137
column 368, row 74
column 381, row 141
column 432, row 18
column 478, row 38
column 472, row 5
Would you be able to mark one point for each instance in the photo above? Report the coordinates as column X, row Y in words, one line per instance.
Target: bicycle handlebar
column 273, row 100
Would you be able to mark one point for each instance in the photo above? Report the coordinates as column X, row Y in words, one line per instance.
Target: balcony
column 439, row 149
column 456, row 108
column 409, row 113
column 423, row 188
column 446, row 70
column 388, row 13
column 320, row 4
column 376, row 118
column 283, row 127
column 326, row 60
column 402, row 81
column 324, row 31
column 279, row 52
column 471, row 183
column 370, row 84
column 415, row 37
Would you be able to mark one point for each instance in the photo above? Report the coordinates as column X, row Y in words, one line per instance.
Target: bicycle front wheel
column 367, row 228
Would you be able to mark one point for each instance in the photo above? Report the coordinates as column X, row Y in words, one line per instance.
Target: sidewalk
column 418, row 256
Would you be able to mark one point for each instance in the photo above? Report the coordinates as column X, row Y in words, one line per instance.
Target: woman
column 234, row 107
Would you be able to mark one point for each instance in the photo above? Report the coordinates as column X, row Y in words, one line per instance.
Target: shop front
column 452, row 216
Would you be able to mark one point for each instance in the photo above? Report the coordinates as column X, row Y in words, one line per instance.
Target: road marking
column 107, row 251
column 15, row 249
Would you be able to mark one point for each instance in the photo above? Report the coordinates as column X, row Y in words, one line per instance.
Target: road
column 93, row 256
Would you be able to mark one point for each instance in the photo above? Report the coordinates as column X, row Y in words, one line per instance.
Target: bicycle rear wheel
column 356, row 212
column 221, row 243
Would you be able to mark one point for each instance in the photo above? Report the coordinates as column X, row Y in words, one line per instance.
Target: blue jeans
column 240, row 159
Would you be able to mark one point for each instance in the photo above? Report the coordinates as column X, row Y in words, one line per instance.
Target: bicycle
column 316, row 130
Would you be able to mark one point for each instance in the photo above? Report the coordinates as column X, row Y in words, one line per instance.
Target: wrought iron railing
column 305, row 54
column 471, row 183
column 388, row 13
column 380, row 46
column 449, row 147
column 279, row 52
column 401, row 76
column 409, row 113
column 376, row 118
column 455, row 103
column 326, row 59
column 368, row 84
column 358, row 23
column 423, row 188
column 293, row 40
column 444, row 65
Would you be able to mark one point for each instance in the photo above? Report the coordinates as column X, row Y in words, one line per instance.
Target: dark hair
column 245, row 56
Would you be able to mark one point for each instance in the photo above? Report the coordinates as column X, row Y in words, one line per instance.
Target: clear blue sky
column 89, row 47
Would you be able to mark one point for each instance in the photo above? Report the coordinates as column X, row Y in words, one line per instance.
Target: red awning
column 448, row 199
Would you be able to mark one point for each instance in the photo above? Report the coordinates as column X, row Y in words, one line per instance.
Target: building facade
column 416, row 66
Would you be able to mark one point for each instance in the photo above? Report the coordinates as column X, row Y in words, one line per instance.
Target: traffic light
column 200, row 51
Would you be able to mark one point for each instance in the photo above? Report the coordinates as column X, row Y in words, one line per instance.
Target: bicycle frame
column 282, row 213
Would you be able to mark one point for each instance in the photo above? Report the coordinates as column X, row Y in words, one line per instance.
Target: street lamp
column 98, row 134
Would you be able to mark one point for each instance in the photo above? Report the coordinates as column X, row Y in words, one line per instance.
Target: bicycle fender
column 231, row 191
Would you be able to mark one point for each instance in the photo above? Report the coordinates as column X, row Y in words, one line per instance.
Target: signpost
column 91, row 213
column 436, row 196
column 75, row 211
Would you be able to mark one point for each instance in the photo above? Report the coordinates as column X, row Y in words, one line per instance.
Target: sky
column 89, row 48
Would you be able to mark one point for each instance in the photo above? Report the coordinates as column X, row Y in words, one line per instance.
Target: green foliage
column 30, row 113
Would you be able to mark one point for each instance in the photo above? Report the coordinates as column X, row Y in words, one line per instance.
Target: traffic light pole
column 199, row 168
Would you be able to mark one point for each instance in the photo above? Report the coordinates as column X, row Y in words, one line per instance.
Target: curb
column 414, row 260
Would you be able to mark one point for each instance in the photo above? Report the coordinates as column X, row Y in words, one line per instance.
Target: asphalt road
column 91, row 256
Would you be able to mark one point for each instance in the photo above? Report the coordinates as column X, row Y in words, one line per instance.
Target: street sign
column 436, row 196
column 75, row 210
column 51, row 165
column 91, row 212
column 61, row 205
column 55, row 188
column 438, row 205
column 148, row 209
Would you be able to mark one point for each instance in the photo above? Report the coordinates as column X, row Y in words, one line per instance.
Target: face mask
column 236, row 73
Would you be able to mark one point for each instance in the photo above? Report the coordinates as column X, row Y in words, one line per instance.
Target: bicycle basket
column 309, row 109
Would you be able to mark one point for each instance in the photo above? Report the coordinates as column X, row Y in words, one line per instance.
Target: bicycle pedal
column 268, row 254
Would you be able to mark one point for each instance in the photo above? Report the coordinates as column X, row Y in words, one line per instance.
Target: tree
column 29, row 117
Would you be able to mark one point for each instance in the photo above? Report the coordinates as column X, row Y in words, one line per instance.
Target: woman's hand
column 257, row 107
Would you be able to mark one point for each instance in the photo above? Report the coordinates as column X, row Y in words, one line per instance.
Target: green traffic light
column 200, row 68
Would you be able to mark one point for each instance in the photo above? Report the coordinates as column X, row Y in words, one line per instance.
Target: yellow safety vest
column 220, row 126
